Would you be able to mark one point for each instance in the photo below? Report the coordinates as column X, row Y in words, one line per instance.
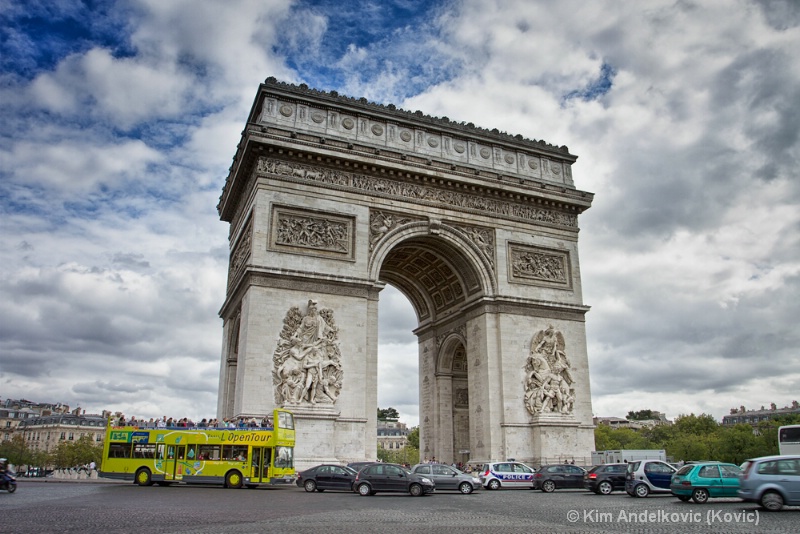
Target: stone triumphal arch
column 329, row 198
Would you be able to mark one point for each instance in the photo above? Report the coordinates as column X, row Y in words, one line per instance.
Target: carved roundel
column 318, row 117
column 433, row 142
column 405, row 135
column 348, row 123
column 509, row 159
column 532, row 164
column 286, row 111
column 459, row 147
column 377, row 129
column 485, row 153
column 556, row 169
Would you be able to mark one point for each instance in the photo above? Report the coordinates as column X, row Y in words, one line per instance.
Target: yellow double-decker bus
column 234, row 457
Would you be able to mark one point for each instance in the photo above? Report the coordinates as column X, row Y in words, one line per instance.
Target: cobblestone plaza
column 39, row 507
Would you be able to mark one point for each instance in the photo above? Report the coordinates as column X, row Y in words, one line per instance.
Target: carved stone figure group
column 548, row 384
column 307, row 362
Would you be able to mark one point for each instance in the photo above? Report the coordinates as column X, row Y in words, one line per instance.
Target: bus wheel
column 143, row 477
column 233, row 479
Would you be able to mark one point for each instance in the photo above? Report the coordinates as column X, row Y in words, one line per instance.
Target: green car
column 701, row 481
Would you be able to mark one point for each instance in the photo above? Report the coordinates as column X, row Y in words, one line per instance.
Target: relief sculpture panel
column 549, row 383
column 539, row 266
column 309, row 232
column 307, row 366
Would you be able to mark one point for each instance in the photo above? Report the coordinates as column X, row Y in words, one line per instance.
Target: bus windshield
column 789, row 439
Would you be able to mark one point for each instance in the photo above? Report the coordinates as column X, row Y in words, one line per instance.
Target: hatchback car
column 327, row 477
column 771, row 481
column 648, row 476
column 549, row 478
column 605, row 478
column 447, row 478
column 699, row 482
column 393, row 478
column 496, row 475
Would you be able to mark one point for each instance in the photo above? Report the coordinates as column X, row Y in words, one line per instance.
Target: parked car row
column 771, row 481
column 369, row 478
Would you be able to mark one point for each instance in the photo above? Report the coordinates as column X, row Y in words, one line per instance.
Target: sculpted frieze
column 549, row 383
column 299, row 230
column 540, row 266
column 382, row 222
column 483, row 238
column 307, row 367
column 412, row 191
column 241, row 252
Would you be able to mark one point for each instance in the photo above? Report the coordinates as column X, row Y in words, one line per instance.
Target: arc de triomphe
column 329, row 198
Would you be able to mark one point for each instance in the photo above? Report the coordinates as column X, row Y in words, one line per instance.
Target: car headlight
column 426, row 480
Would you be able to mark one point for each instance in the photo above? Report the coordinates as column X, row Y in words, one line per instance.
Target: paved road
column 39, row 507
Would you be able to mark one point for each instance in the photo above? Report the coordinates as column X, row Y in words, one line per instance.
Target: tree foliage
column 66, row 454
column 696, row 437
column 388, row 414
column 413, row 437
column 641, row 415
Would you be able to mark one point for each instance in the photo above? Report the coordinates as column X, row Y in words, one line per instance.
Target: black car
column 357, row 466
column 551, row 477
column 391, row 477
column 327, row 477
column 605, row 478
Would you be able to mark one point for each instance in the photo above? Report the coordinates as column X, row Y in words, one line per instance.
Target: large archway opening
column 439, row 280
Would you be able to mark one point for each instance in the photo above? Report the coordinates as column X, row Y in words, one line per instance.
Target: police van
column 496, row 475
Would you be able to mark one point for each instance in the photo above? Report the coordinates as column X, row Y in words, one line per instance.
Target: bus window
column 285, row 420
column 171, row 452
column 144, row 451
column 208, row 452
column 284, row 457
column 160, row 453
column 234, row 452
column 789, row 439
column 119, row 450
column 190, row 454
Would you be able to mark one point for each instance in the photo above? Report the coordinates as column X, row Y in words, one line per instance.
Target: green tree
column 641, row 415
column 388, row 414
column 16, row 450
column 413, row 437
column 698, row 425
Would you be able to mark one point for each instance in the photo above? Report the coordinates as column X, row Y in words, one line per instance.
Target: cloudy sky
column 120, row 118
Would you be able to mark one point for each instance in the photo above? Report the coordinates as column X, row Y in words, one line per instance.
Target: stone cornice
column 357, row 129
column 464, row 129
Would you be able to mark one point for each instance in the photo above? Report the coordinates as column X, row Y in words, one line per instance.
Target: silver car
column 771, row 481
column 448, row 478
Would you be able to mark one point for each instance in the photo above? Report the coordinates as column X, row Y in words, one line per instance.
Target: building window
column 63, row 435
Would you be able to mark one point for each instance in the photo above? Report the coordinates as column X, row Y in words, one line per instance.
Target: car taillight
column 747, row 470
column 592, row 475
column 486, row 474
column 537, row 475
column 686, row 483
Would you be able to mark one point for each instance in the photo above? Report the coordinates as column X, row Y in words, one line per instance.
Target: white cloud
column 112, row 160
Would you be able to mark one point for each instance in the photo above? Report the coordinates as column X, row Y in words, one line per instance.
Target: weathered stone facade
column 329, row 198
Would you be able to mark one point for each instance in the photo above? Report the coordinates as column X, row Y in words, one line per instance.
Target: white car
column 496, row 475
